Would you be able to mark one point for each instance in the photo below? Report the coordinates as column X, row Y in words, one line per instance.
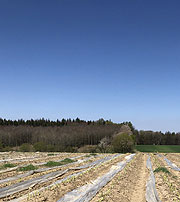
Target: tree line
column 157, row 138
column 70, row 134
column 61, row 135
column 46, row 122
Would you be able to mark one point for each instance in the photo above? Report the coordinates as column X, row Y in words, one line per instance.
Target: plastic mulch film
column 172, row 165
column 40, row 169
column 88, row 191
column 8, row 190
column 90, row 165
column 151, row 192
column 13, row 178
column 99, row 161
column 24, row 159
column 15, row 188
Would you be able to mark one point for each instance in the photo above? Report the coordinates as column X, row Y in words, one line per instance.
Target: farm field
column 66, row 177
column 158, row 148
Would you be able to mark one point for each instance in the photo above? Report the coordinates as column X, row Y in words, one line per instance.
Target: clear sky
column 111, row 59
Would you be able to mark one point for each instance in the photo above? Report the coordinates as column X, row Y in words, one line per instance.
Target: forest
column 70, row 134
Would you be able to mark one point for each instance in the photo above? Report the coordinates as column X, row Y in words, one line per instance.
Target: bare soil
column 57, row 192
column 174, row 158
column 44, row 160
column 20, row 158
column 35, row 175
column 129, row 185
column 167, row 185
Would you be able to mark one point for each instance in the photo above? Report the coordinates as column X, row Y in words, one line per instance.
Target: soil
column 27, row 158
column 45, row 172
column 44, row 160
column 167, row 185
column 57, row 192
column 174, row 158
column 129, row 185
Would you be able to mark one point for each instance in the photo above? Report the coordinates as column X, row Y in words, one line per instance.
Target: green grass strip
column 28, row 168
column 158, row 148
column 161, row 169
column 55, row 163
column 7, row 165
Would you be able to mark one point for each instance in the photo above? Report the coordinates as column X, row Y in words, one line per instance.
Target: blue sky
column 113, row 59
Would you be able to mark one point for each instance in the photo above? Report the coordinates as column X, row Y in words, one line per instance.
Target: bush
column 70, row 149
column 25, row 147
column 109, row 149
column 104, row 144
column 50, row 148
column 88, row 149
column 1, row 146
column 40, row 146
column 7, row 149
column 123, row 143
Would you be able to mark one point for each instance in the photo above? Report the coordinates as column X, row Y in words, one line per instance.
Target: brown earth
column 26, row 158
column 129, row 185
column 57, row 192
column 46, row 172
column 174, row 158
column 44, row 160
column 167, row 185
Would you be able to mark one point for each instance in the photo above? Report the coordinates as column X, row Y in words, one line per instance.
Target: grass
column 28, row 168
column 158, row 148
column 7, row 165
column 51, row 154
column 93, row 154
column 161, row 169
column 55, row 163
column 52, row 164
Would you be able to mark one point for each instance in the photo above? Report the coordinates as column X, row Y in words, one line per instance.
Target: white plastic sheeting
column 42, row 170
column 88, row 191
column 170, row 164
column 9, row 170
column 15, row 188
column 24, row 159
column 151, row 192
column 8, row 179
column 41, row 164
column 67, row 177
column 99, row 161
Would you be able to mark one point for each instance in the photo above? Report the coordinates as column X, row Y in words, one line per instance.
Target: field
column 159, row 148
column 66, row 177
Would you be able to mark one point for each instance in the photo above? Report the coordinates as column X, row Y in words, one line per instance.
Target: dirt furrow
column 53, row 193
column 39, row 160
column 42, row 171
column 127, row 186
column 167, row 180
column 175, row 158
column 37, row 181
column 14, row 171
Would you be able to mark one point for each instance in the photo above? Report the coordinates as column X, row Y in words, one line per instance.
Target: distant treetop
column 46, row 122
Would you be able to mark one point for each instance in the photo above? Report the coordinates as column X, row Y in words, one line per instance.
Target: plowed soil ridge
column 100, row 161
column 87, row 192
column 127, row 186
